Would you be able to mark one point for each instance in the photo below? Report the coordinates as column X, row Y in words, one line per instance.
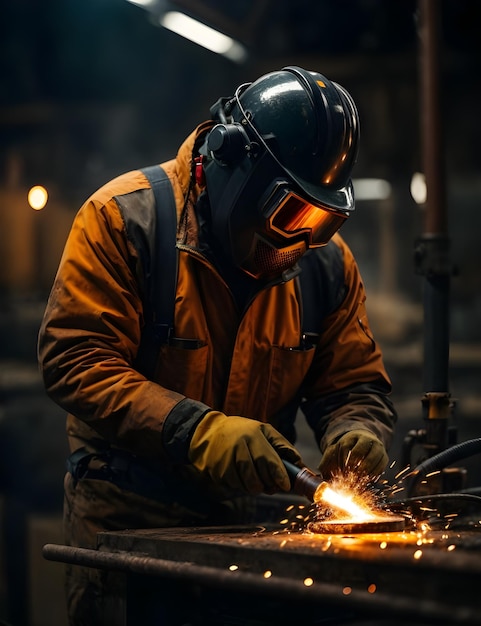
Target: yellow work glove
column 241, row 453
column 358, row 451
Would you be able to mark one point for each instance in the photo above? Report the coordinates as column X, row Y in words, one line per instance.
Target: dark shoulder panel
column 138, row 213
column 322, row 284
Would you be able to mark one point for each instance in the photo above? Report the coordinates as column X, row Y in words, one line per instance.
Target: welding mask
column 278, row 166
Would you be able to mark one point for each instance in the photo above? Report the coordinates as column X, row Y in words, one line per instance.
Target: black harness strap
column 321, row 281
column 161, row 287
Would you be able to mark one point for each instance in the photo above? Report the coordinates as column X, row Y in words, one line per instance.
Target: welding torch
column 304, row 482
column 313, row 486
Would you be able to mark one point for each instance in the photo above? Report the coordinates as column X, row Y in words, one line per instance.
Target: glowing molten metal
column 342, row 502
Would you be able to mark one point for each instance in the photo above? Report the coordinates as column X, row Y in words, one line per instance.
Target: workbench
column 270, row 575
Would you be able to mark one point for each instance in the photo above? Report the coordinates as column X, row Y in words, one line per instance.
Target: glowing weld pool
column 391, row 523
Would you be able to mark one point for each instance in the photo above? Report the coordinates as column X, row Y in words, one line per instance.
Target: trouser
column 92, row 506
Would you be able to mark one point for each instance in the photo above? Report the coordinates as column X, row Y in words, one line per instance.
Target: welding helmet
column 278, row 166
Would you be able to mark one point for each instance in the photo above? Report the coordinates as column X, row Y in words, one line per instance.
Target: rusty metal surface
column 424, row 577
column 428, row 574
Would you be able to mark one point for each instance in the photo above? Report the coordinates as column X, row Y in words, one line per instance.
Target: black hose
column 475, row 491
column 441, row 460
column 445, row 509
column 446, row 457
column 428, row 500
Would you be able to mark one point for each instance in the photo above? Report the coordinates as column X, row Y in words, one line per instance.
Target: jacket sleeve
column 90, row 333
column 347, row 386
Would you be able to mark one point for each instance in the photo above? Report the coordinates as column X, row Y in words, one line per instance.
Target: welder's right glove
column 242, row 453
column 359, row 451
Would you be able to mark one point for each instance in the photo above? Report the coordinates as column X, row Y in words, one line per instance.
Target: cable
column 441, row 460
column 442, row 508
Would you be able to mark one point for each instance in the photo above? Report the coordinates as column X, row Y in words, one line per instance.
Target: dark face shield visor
column 289, row 215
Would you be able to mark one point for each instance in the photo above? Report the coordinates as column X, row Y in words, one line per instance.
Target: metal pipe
column 433, row 250
column 433, row 149
column 276, row 587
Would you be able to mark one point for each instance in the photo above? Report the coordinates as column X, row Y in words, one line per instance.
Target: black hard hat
column 292, row 128
column 310, row 125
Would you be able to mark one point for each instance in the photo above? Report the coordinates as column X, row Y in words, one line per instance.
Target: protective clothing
column 290, row 133
column 240, row 347
column 358, row 451
column 241, row 453
column 252, row 361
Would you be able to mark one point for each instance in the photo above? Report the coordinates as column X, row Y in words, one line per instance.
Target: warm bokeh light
column 37, row 197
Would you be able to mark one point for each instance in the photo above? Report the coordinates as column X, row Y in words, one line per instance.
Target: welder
column 184, row 349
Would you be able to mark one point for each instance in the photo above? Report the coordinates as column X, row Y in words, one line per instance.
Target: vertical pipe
column 435, row 239
column 433, row 154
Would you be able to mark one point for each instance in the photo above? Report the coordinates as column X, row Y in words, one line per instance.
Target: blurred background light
column 143, row 3
column 203, row 35
column 418, row 188
column 37, row 197
column 371, row 189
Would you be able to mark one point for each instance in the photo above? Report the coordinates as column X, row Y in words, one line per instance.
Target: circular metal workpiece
column 386, row 524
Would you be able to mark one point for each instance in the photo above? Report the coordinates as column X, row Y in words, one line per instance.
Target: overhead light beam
column 203, row 35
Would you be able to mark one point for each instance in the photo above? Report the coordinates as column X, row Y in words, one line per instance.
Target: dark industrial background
column 94, row 88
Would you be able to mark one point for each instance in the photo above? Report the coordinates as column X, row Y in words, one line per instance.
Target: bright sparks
column 344, row 503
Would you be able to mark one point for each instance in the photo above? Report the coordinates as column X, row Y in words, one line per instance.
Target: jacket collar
column 186, row 154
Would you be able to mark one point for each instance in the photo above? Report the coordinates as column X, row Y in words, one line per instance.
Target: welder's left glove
column 359, row 451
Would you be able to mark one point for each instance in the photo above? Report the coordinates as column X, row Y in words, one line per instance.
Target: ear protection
column 228, row 142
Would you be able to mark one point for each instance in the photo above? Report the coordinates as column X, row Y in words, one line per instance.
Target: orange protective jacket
column 249, row 363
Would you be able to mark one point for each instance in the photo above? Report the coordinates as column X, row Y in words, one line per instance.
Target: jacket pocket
column 182, row 367
column 288, row 368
